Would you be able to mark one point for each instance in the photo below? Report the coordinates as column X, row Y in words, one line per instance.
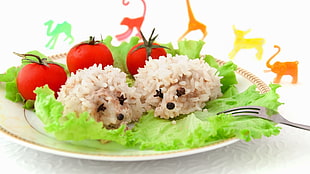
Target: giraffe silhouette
column 193, row 23
column 64, row 27
column 132, row 23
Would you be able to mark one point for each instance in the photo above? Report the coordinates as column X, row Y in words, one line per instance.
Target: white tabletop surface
column 288, row 27
column 286, row 153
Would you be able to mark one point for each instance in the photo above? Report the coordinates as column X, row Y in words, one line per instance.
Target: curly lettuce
column 191, row 48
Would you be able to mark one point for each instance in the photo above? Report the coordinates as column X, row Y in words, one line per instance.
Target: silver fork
column 263, row 112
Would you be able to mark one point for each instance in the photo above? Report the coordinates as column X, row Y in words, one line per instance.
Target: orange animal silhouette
column 246, row 43
column 194, row 24
column 132, row 23
column 283, row 68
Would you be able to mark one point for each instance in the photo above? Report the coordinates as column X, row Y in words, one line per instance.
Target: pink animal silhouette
column 132, row 23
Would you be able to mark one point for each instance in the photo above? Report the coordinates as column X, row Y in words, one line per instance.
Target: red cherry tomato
column 87, row 54
column 136, row 59
column 35, row 75
column 140, row 53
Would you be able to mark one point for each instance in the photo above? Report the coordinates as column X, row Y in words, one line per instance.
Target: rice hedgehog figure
column 103, row 93
column 177, row 85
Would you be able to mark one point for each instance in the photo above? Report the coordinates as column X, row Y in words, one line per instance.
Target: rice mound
column 103, row 93
column 177, row 85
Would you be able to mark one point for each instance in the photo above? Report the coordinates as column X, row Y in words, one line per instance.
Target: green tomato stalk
column 148, row 44
column 39, row 60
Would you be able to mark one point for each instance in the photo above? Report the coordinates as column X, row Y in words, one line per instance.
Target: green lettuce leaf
column 211, row 61
column 251, row 96
column 229, row 79
column 10, row 74
column 227, row 72
column 160, row 134
column 171, row 50
column 191, row 48
column 10, row 87
column 244, row 128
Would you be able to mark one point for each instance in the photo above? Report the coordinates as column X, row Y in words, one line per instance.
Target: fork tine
column 255, row 111
column 245, row 114
column 242, row 109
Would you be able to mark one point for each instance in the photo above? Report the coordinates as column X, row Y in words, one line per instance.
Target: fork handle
column 297, row 125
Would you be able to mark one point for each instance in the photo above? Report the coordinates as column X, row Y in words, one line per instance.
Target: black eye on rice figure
column 159, row 94
column 120, row 116
column 170, row 105
column 121, row 99
column 101, row 108
column 180, row 92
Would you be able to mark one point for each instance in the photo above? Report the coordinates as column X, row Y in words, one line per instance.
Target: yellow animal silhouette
column 283, row 68
column 246, row 43
column 194, row 24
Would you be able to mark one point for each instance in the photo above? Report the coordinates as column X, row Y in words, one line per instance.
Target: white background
column 281, row 22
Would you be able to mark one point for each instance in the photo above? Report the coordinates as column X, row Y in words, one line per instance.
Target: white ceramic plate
column 23, row 127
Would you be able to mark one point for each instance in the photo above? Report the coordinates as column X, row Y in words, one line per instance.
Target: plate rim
column 106, row 157
column 261, row 86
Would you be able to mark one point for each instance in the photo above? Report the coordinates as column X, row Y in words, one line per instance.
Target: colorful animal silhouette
column 246, row 43
column 132, row 23
column 193, row 24
column 283, row 68
column 64, row 27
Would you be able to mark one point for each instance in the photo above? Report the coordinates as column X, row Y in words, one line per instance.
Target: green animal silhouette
column 64, row 27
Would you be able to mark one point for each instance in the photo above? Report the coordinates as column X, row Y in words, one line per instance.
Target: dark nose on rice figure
column 170, row 105
column 120, row 116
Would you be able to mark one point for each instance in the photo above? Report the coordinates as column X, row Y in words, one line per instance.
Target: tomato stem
column 92, row 41
column 148, row 44
column 41, row 61
column 25, row 57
